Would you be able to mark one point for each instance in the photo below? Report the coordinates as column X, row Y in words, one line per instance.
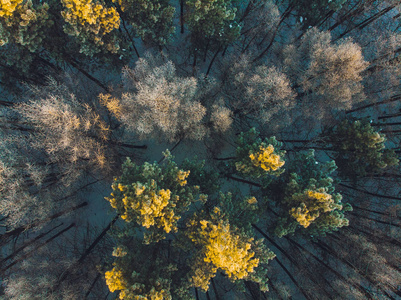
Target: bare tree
column 328, row 76
column 259, row 92
column 158, row 103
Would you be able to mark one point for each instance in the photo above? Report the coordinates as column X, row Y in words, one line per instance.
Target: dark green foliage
column 243, row 211
column 27, row 26
column 208, row 180
column 360, row 149
column 151, row 20
column 212, row 23
column 313, row 11
column 309, row 204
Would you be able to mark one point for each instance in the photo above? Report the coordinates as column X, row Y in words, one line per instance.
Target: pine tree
column 152, row 21
column 309, row 205
column 154, row 200
column 221, row 246
column 92, row 24
column 212, row 24
column 23, row 23
column 314, row 11
column 360, row 148
column 257, row 158
column 153, row 196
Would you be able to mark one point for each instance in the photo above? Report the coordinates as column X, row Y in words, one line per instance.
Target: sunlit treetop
column 153, row 196
column 84, row 12
column 23, row 23
column 222, row 247
column 7, row 7
column 310, row 205
column 140, row 272
column 91, row 23
column 257, row 158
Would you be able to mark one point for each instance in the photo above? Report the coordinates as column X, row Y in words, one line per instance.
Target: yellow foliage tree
column 257, row 158
column 311, row 205
column 153, row 196
column 92, row 24
column 222, row 247
column 266, row 159
column 23, row 23
column 7, row 7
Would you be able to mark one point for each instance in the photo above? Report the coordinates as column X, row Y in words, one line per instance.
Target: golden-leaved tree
column 24, row 23
column 92, row 24
column 157, row 202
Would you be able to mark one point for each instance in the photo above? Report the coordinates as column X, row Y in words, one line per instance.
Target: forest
column 200, row 149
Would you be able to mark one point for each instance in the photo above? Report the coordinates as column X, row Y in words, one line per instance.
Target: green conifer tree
column 309, row 204
column 212, row 24
column 360, row 149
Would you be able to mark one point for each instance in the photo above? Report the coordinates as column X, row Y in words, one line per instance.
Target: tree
column 259, row 92
column 67, row 129
column 312, row 12
column 222, row 246
column 152, row 21
column 309, row 203
column 49, row 144
column 360, row 149
column 92, row 24
column 257, row 158
column 156, row 198
column 153, row 196
column 212, row 24
column 24, row 24
column 328, row 76
column 260, row 20
column 158, row 103
column 136, row 275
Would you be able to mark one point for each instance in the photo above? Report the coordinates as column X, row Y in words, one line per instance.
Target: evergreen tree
column 309, row 204
column 24, row 24
column 212, row 24
column 314, row 11
column 92, row 24
column 153, row 196
column 257, row 158
column 153, row 199
column 152, row 21
column 360, row 148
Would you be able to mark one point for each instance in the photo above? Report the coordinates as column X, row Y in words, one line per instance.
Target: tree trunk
column 281, row 265
column 244, row 181
column 358, row 287
column 391, row 99
column 21, row 229
column 29, row 243
column 67, row 272
column 283, row 17
column 211, row 62
column 182, row 15
column 29, row 254
column 92, row 285
column 370, row 193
